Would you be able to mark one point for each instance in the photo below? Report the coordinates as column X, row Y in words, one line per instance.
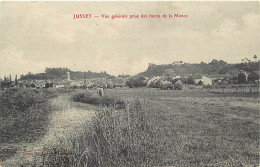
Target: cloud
column 14, row 62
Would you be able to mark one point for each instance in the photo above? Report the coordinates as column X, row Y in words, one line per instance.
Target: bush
column 23, row 114
column 126, row 137
column 97, row 100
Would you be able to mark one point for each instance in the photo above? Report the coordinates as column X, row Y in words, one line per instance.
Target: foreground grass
column 167, row 128
column 114, row 137
column 205, row 129
column 23, row 112
column 23, row 116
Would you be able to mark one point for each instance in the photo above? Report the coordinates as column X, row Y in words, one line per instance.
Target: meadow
column 204, row 128
column 151, row 127
column 186, row 128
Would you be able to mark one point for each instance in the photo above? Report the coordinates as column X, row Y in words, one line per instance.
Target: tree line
column 7, row 82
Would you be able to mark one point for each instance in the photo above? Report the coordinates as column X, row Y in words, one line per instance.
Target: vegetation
column 126, row 137
column 223, row 73
column 241, row 78
column 214, row 67
column 167, row 128
column 202, row 128
column 136, row 82
column 23, row 114
column 159, row 128
column 97, row 100
column 61, row 73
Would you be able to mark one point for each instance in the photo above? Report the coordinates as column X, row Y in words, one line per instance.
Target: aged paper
column 129, row 83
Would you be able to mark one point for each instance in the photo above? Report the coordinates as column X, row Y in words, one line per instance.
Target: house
column 62, row 84
column 40, row 84
column 175, row 79
column 221, row 78
column 202, row 80
column 153, row 80
column 77, row 83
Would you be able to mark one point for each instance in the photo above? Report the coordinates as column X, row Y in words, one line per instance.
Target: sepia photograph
column 129, row 84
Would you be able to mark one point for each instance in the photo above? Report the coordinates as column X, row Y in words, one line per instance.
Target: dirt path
column 67, row 118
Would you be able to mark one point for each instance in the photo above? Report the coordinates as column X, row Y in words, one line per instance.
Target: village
column 170, row 80
column 129, row 84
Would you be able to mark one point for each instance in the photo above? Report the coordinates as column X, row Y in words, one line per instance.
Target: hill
column 61, row 73
column 185, row 69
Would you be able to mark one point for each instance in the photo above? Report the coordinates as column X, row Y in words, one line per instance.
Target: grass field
column 204, row 128
column 191, row 128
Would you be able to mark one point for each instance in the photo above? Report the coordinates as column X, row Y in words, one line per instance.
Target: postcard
column 128, row 84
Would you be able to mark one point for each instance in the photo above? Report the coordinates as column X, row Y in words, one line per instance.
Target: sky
column 36, row 35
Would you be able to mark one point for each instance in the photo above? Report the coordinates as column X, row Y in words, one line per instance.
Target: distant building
column 68, row 76
column 202, row 80
column 62, row 84
column 177, row 62
column 77, row 83
column 153, row 80
column 221, row 78
column 176, row 78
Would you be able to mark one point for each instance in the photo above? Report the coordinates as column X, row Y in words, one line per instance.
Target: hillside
column 212, row 68
column 61, row 73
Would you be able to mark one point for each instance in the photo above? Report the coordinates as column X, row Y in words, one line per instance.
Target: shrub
column 97, row 100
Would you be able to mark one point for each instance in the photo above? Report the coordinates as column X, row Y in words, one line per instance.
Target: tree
column 178, row 85
column 10, row 78
column 3, row 84
column 130, row 83
column 16, row 81
column 217, row 62
column 47, row 85
column 255, row 57
column 189, row 80
column 203, row 63
column 241, row 78
column 136, row 82
column 253, row 77
column 51, row 84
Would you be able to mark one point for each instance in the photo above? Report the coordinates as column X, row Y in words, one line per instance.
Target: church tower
column 68, row 76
